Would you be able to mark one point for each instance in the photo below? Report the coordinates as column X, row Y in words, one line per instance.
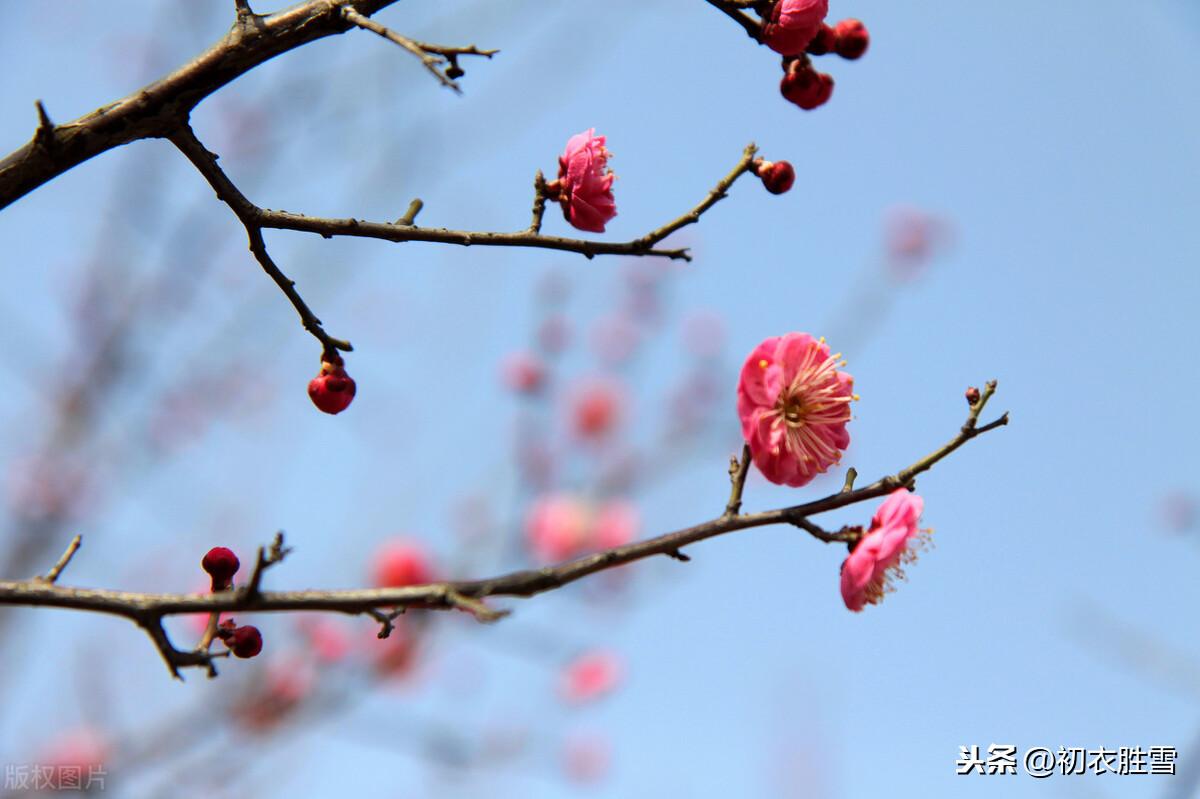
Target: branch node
column 44, row 136
column 266, row 559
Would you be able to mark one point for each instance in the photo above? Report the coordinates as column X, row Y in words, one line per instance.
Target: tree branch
column 440, row 60
column 384, row 604
column 530, row 237
column 159, row 108
column 250, row 216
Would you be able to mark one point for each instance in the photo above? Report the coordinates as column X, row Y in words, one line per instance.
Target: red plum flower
column 399, row 563
column 617, row 523
column 590, row 676
column 794, row 405
column 557, row 527
column 876, row 562
column 562, row 526
column 596, row 409
column 793, row 24
column 584, row 185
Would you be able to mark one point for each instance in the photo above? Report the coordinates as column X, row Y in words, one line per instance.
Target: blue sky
column 1058, row 139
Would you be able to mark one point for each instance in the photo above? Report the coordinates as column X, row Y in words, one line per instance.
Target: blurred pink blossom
column 614, row 338
column 523, row 372
column 554, row 334
column 617, row 524
column 591, row 676
column 557, row 527
column 1179, row 511
column 586, row 758
column 327, row 639
column 912, row 238
column 401, row 562
column 596, row 408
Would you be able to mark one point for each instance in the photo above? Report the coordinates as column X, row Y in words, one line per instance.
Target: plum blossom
column 523, row 372
column 877, row 559
column 562, row 526
column 596, row 408
column 557, row 527
column 793, row 24
column 401, row 562
column 584, row 185
column 591, row 676
column 794, row 405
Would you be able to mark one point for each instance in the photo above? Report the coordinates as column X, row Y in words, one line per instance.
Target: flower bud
column 852, row 39
column 806, row 87
column 332, row 390
column 824, row 42
column 777, row 176
column 221, row 564
column 244, row 642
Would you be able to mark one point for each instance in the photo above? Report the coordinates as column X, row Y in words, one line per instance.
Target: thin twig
column 737, row 479
column 410, row 216
column 55, row 570
column 250, row 216
column 539, row 202
column 435, row 58
column 643, row 246
column 266, row 559
column 159, row 107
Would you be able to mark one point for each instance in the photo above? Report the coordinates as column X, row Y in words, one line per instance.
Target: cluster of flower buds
column 332, row 389
column 222, row 564
column 796, row 29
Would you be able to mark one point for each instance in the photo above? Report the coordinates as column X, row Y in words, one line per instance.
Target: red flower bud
column 972, row 395
column 221, row 564
column 777, row 176
column 806, row 87
column 332, row 390
column 244, row 642
column 824, row 42
column 852, row 38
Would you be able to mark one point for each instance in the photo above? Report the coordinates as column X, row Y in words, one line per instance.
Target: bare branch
column 733, row 10
column 154, row 111
column 440, row 60
column 531, row 237
column 250, row 216
column 385, row 604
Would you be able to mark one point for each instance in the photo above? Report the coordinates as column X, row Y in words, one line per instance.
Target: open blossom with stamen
column 794, row 404
column 878, row 559
column 584, row 185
